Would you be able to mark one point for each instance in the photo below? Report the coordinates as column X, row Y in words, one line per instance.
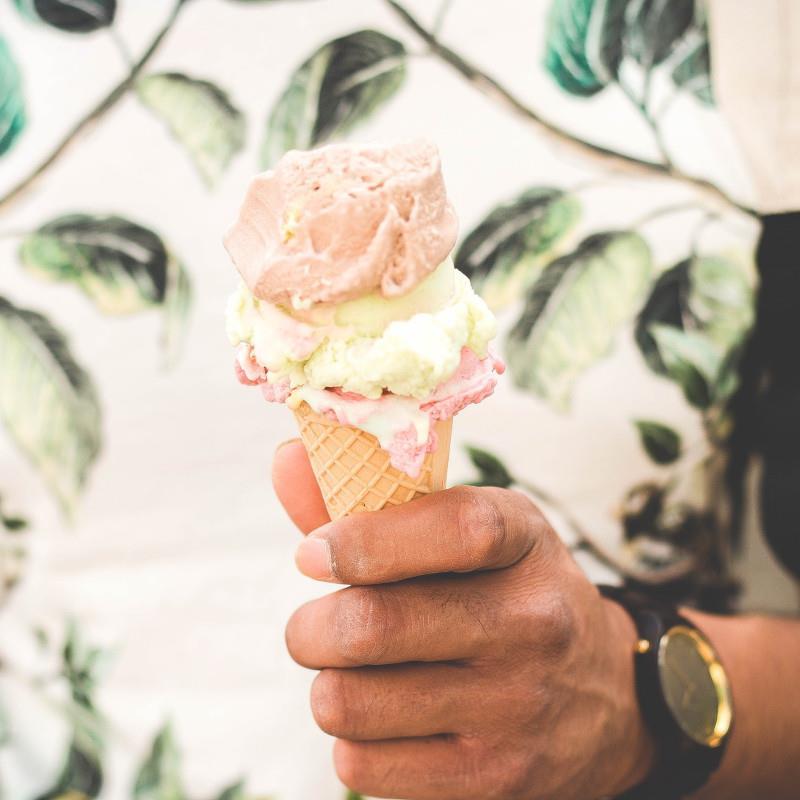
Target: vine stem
column 606, row 157
column 603, row 554
column 94, row 114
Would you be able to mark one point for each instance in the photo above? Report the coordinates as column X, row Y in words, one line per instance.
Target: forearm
column 762, row 658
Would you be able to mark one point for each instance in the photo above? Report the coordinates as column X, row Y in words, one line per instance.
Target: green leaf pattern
column 12, row 105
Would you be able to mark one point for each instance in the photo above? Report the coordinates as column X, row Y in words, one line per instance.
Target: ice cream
column 349, row 301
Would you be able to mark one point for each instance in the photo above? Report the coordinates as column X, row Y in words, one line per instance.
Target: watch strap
column 682, row 765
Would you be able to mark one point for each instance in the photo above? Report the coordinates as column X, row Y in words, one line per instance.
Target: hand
column 470, row 657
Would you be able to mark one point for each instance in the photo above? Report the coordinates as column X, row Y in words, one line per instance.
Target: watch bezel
column 717, row 675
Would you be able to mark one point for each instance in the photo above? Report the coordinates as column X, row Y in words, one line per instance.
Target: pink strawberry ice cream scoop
column 336, row 223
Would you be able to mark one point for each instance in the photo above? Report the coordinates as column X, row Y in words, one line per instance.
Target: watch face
column 695, row 685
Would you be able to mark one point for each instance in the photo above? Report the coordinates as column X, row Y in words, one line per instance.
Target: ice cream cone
column 354, row 472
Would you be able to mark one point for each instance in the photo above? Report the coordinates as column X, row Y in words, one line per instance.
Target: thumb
column 297, row 487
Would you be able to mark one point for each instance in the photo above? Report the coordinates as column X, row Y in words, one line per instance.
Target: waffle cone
column 354, row 472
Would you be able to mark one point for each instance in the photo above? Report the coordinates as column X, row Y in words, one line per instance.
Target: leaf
column 339, row 86
column 351, row 795
column 200, row 116
column 692, row 70
column 661, row 443
column 47, row 401
column 158, row 777
column 72, row 16
column 492, row 471
column 691, row 360
column 233, row 792
column 81, row 775
column 668, row 304
column 654, row 27
column 12, row 104
column 721, row 299
column 584, row 44
column 573, row 311
column 123, row 268
column 504, row 253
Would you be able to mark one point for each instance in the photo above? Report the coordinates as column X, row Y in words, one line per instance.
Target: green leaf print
column 584, row 44
column 668, row 304
column 654, row 27
column 339, row 86
column 574, row 310
column 507, row 250
column 492, row 471
column 351, row 795
column 12, row 105
column 83, row 16
column 691, row 361
column 721, row 299
column 234, row 792
column 158, row 777
column 692, row 70
column 200, row 116
column 660, row 442
column 123, row 267
column 47, row 401
column 80, row 777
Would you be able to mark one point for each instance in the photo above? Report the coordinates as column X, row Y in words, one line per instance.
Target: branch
column 106, row 104
column 604, row 156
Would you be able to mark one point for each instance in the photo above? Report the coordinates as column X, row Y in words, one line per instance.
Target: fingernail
column 313, row 558
column 284, row 443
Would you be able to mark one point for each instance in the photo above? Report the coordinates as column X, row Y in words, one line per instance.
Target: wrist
column 637, row 751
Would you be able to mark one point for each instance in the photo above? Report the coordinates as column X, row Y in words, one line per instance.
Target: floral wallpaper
column 567, row 289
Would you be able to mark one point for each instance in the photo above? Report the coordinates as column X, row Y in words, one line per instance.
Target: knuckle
column 364, row 625
column 481, row 528
column 329, row 703
column 556, row 623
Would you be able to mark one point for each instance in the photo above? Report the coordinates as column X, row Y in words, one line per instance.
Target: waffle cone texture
column 354, row 472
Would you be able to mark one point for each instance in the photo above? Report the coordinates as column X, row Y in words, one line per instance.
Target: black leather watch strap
column 682, row 765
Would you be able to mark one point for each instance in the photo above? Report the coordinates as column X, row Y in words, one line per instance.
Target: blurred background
column 146, row 567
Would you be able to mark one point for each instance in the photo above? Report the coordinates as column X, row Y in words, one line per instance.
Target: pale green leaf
column 200, row 116
column 158, row 778
column 654, row 28
column 47, row 401
column 572, row 314
column 506, row 252
column 339, row 86
column 691, row 359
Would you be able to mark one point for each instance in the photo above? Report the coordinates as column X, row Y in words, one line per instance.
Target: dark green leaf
column 506, row 251
column 336, row 88
column 81, row 774
column 47, row 401
column 73, row 16
column 584, row 44
column 200, row 116
column 654, row 27
column 667, row 304
column 661, row 443
column 351, row 795
column 691, row 361
column 574, row 310
column 492, row 471
column 15, row 524
column 234, row 792
column 120, row 265
column 158, row 778
column 12, row 106
column 692, row 70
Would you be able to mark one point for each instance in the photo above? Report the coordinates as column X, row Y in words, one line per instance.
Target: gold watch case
column 695, row 685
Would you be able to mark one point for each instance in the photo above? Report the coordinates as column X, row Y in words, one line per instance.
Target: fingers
column 463, row 529
column 393, row 702
column 297, row 487
column 431, row 768
column 423, row 620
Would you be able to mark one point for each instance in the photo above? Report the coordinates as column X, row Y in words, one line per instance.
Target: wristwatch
column 684, row 695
